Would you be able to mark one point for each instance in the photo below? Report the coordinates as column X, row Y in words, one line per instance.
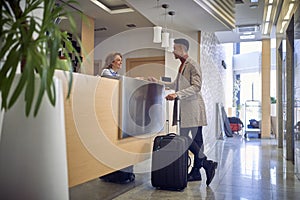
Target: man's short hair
column 183, row 42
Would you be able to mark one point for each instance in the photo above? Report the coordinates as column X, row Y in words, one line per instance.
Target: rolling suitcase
column 170, row 160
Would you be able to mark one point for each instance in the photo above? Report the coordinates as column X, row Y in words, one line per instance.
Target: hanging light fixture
column 165, row 39
column 171, row 40
column 157, row 34
column 157, row 30
column 171, row 44
column 165, row 34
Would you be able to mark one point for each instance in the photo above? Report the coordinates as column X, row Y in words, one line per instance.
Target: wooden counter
column 91, row 122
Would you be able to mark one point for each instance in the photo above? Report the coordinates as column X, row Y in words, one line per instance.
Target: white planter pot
column 273, row 109
column 33, row 162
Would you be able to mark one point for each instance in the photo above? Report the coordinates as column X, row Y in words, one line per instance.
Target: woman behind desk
column 113, row 63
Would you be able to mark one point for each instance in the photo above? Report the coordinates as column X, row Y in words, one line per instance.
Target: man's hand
column 171, row 97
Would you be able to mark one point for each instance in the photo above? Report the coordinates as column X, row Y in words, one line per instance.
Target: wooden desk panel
column 91, row 119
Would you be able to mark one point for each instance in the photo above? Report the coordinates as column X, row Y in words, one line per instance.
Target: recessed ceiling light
column 109, row 10
column 247, row 37
column 269, row 11
column 131, row 25
column 248, row 28
column 266, row 28
column 247, row 33
column 101, row 29
column 253, row 6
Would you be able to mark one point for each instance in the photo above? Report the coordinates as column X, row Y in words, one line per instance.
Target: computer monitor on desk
column 142, row 107
column 166, row 79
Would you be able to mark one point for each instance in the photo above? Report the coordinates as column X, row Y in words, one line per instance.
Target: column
column 279, row 111
column 87, row 39
column 265, row 81
column 290, row 91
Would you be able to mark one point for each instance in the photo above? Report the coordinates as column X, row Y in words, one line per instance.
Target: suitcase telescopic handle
column 167, row 117
column 177, row 117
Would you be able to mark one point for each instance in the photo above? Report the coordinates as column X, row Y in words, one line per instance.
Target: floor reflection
column 248, row 169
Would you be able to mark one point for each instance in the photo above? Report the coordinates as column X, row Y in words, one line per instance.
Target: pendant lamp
column 171, row 39
column 157, row 30
column 165, row 39
column 171, row 44
column 157, row 34
column 165, row 35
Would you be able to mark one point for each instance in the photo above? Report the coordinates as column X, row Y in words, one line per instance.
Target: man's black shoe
column 210, row 168
column 194, row 175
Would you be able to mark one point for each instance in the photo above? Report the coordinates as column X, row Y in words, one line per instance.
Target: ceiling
column 189, row 17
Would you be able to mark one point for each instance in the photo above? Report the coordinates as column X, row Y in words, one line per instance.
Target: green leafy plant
column 273, row 100
column 32, row 43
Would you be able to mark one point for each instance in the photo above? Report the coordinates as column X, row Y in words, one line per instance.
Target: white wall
column 228, row 82
column 136, row 43
column 131, row 44
column 139, row 43
column 213, row 87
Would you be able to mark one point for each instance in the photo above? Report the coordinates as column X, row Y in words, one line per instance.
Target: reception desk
column 94, row 115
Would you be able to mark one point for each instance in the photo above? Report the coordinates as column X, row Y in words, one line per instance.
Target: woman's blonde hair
column 110, row 59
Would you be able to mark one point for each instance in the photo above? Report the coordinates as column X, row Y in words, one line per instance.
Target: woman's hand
column 152, row 79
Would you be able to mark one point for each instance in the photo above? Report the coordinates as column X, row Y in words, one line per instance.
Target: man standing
column 187, row 86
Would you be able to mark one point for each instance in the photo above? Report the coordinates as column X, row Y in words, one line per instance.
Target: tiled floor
column 248, row 169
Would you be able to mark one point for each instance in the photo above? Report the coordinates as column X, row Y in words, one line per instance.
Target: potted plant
column 32, row 43
column 273, row 106
column 33, row 147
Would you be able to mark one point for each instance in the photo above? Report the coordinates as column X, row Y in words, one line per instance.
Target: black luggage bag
column 170, row 160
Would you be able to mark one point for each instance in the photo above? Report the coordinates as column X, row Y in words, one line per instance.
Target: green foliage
column 32, row 43
column 273, row 100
